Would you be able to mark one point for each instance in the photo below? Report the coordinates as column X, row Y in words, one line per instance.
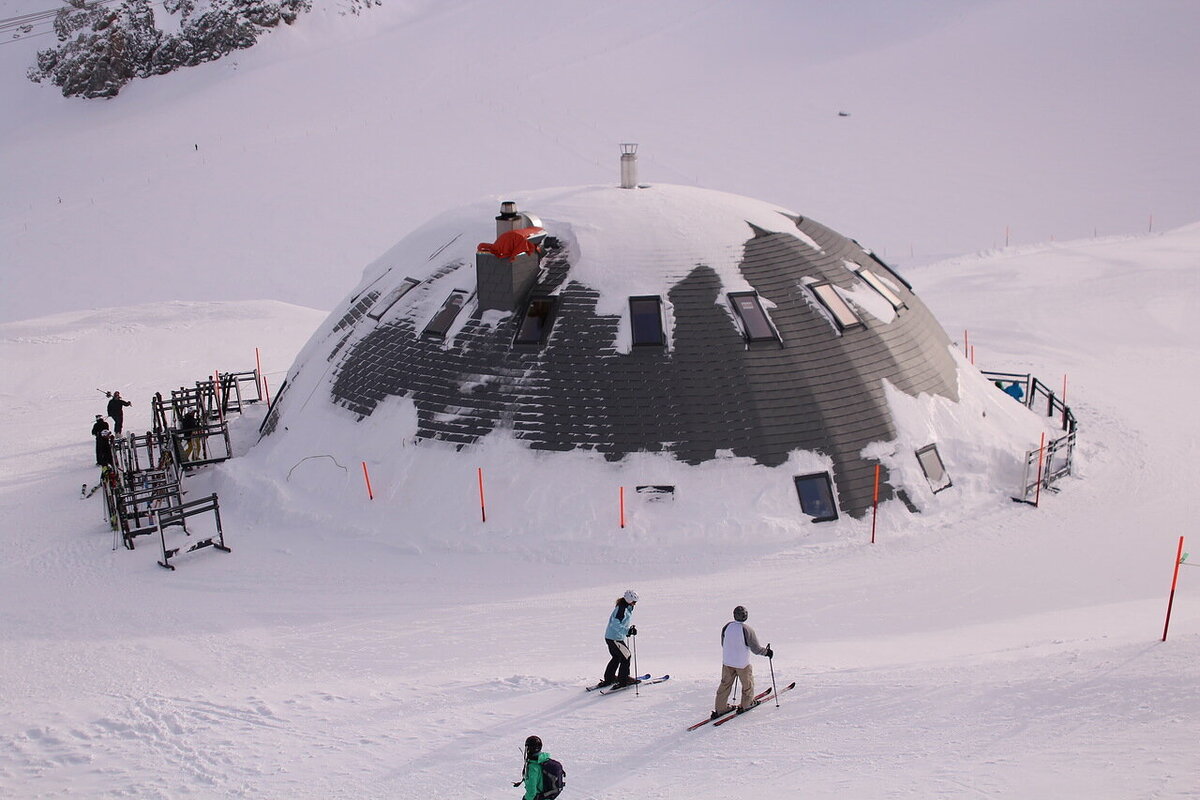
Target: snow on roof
column 621, row 242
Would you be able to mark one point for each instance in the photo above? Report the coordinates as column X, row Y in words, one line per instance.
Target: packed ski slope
column 1011, row 653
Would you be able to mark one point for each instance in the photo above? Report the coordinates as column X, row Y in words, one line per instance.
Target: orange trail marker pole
column 1174, row 581
column 622, row 503
column 875, row 504
column 367, row 478
column 966, row 343
column 266, row 392
column 482, row 507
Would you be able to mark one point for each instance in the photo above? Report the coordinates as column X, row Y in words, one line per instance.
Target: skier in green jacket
column 534, row 758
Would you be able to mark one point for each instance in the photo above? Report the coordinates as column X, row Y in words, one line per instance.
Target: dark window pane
column 816, row 496
column 645, row 316
column 754, row 319
column 536, row 323
column 391, row 297
column 442, row 321
column 935, row 471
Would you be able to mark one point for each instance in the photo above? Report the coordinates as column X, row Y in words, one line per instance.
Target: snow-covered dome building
column 671, row 340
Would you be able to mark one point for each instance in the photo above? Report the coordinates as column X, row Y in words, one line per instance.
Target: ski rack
column 165, row 518
column 1057, row 461
column 213, row 430
column 157, row 449
column 232, row 383
column 138, row 509
column 143, row 487
column 215, row 445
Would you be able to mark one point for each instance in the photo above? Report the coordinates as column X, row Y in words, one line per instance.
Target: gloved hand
column 770, row 653
column 633, row 630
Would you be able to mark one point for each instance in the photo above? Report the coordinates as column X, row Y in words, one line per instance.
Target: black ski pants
column 618, row 665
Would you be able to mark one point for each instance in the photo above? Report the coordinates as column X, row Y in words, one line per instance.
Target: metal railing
column 1044, row 466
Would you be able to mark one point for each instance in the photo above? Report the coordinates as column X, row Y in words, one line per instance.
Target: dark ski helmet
column 741, row 614
column 533, row 746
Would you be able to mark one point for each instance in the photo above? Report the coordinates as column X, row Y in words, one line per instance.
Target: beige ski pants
column 745, row 675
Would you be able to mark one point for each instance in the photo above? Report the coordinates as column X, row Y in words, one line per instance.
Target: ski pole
column 633, row 644
column 771, row 662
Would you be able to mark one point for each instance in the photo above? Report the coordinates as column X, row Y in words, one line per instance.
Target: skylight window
column 441, row 322
column 645, row 318
column 755, row 325
column 935, row 471
column 891, row 271
column 391, row 297
column 535, row 324
column 816, row 496
column 843, row 315
column 878, row 285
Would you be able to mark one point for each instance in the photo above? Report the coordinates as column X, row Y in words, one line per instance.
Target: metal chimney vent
column 629, row 165
column 509, row 219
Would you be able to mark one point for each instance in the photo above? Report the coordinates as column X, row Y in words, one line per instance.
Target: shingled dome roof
column 689, row 323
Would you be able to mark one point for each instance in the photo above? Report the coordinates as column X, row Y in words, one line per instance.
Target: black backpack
column 554, row 779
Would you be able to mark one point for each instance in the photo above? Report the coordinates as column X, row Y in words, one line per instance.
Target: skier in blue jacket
column 616, row 635
column 1015, row 391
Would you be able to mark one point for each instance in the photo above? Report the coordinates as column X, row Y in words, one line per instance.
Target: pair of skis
column 643, row 680
column 731, row 713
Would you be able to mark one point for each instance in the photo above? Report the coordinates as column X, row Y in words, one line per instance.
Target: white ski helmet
column 631, row 596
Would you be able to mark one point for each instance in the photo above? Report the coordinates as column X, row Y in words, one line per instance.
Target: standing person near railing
column 116, row 410
column 103, row 452
column 1015, row 391
column 192, row 439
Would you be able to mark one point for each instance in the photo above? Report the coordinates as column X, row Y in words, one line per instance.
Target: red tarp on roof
column 511, row 244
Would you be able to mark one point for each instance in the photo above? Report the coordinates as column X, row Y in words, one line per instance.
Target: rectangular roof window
column 878, row 285
column 931, row 463
column 843, row 315
column 816, row 496
column 755, row 324
column 897, row 275
column 441, row 322
column 645, row 318
column 535, row 324
column 391, row 297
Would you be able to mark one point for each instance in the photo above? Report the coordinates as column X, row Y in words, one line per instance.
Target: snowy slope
column 279, row 171
column 1009, row 653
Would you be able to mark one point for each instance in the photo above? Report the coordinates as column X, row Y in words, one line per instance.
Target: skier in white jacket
column 738, row 641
